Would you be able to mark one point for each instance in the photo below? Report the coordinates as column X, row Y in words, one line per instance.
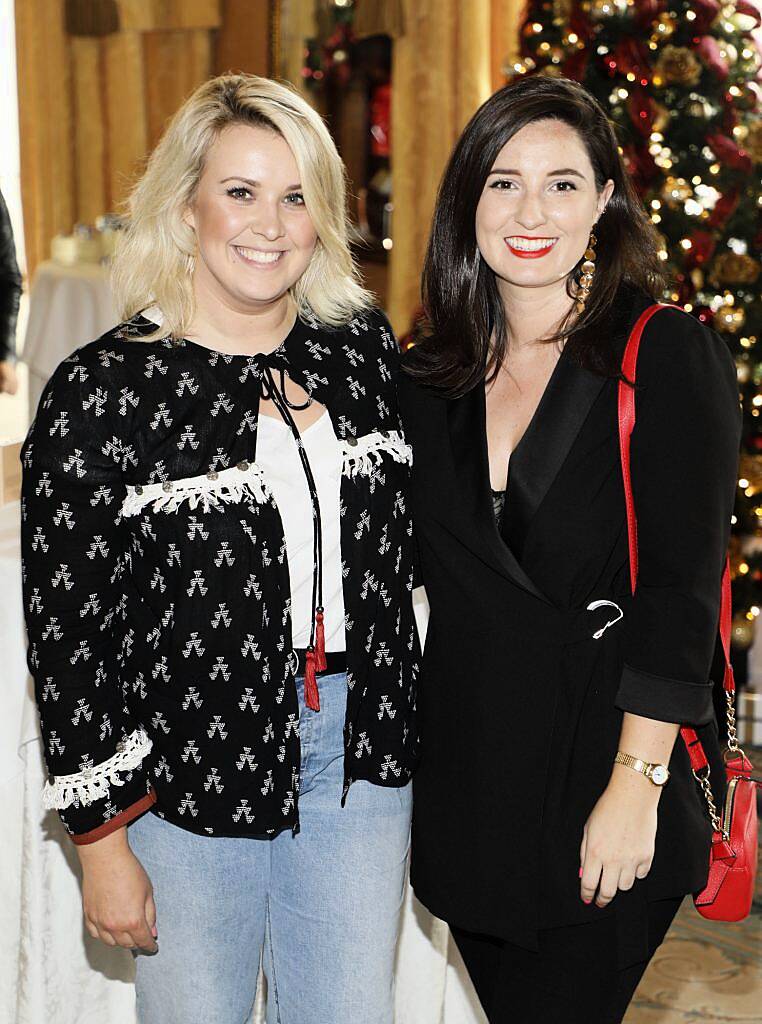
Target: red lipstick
column 529, row 254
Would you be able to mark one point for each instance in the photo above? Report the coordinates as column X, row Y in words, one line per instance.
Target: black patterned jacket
column 156, row 580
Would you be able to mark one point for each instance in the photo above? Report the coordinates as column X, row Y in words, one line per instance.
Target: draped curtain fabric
column 445, row 64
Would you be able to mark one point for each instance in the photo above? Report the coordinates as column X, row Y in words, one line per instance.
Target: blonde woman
column 218, row 573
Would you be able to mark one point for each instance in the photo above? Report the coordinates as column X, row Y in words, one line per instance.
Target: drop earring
column 586, row 279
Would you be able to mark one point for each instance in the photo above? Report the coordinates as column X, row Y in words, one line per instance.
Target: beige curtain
column 91, row 107
column 446, row 62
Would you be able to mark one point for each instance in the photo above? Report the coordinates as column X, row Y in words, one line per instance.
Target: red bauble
column 704, row 314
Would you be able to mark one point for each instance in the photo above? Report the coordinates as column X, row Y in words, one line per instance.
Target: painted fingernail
column 587, row 902
column 580, row 872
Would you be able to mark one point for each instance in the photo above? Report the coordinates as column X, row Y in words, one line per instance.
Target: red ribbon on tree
column 709, row 50
column 723, row 208
column 702, row 247
column 728, row 153
column 640, row 107
column 750, row 10
column 706, row 12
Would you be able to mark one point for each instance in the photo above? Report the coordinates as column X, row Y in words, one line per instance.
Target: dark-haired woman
column 558, row 869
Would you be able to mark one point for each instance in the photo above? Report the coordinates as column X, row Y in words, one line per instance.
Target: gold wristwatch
column 658, row 774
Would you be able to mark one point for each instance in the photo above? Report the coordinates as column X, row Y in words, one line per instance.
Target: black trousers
column 575, row 977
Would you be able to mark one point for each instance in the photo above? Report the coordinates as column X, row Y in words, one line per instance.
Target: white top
column 278, row 458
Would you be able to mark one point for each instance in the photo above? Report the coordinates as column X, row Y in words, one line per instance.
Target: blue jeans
column 324, row 904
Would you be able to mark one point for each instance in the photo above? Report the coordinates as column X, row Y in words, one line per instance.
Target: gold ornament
column 699, row 108
column 601, row 9
column 753, row 141
column 750, row 469
column 678, row 66
column 729, row 318
column 697, row 278
column 743, row 371
column 742, row 631
column 663, row 28
column 735, row 268
column 676, row 191
column 586, row 278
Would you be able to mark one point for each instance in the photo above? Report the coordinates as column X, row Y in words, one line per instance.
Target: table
column 68, row 307
column 50, row 968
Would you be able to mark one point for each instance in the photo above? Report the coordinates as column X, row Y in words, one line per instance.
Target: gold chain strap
column 703, row 781
column 733, row 746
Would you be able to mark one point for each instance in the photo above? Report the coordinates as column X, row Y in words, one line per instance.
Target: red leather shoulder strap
column 626, row 425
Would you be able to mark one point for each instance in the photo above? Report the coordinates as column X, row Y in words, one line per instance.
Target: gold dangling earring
column 586, row 280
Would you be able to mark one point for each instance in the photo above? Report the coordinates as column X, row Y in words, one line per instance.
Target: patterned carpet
column 705, row 971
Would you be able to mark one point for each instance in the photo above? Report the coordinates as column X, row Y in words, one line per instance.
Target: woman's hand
column 619, row 836
column 117, row 896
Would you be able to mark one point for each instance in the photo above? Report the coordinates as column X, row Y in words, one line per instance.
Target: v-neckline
column 538, row 411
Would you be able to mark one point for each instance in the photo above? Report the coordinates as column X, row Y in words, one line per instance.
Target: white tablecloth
column 68, row 307
column 51, row 971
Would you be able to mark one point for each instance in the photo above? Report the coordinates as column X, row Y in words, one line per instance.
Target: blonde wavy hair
column 151, row 266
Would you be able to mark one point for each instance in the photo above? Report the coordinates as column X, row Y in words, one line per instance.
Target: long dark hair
column 467, row 333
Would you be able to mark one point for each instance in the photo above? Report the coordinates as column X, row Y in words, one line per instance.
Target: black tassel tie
column 315, row 657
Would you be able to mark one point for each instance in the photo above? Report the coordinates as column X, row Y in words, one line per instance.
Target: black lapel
column 539, row 455
column 564, row 407
column 472, row 506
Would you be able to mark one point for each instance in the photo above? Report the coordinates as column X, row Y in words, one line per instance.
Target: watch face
column 659, row 774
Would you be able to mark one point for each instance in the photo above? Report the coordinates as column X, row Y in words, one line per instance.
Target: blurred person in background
column 10, row 294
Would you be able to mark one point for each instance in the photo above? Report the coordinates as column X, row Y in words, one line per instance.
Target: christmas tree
column 677, row 80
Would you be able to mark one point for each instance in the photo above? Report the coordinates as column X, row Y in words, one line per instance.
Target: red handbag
column 733, row 861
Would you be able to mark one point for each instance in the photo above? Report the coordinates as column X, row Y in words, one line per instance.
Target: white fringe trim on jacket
column 211, row 490
column 360, row 455
column 94, row 783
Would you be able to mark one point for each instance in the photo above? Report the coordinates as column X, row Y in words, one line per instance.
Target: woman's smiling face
column 538, row 206
column 254, row 235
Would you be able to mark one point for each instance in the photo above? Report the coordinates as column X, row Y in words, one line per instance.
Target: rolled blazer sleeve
column 684, row 457
column 73, row 564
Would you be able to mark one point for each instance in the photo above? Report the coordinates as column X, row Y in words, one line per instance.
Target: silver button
column 166, row 486
column 138, row 489
column 243, row 466
column 212, row 476
column 384, row 433
column 352, row 442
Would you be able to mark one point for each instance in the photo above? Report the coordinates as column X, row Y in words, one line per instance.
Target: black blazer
column 520, row 707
